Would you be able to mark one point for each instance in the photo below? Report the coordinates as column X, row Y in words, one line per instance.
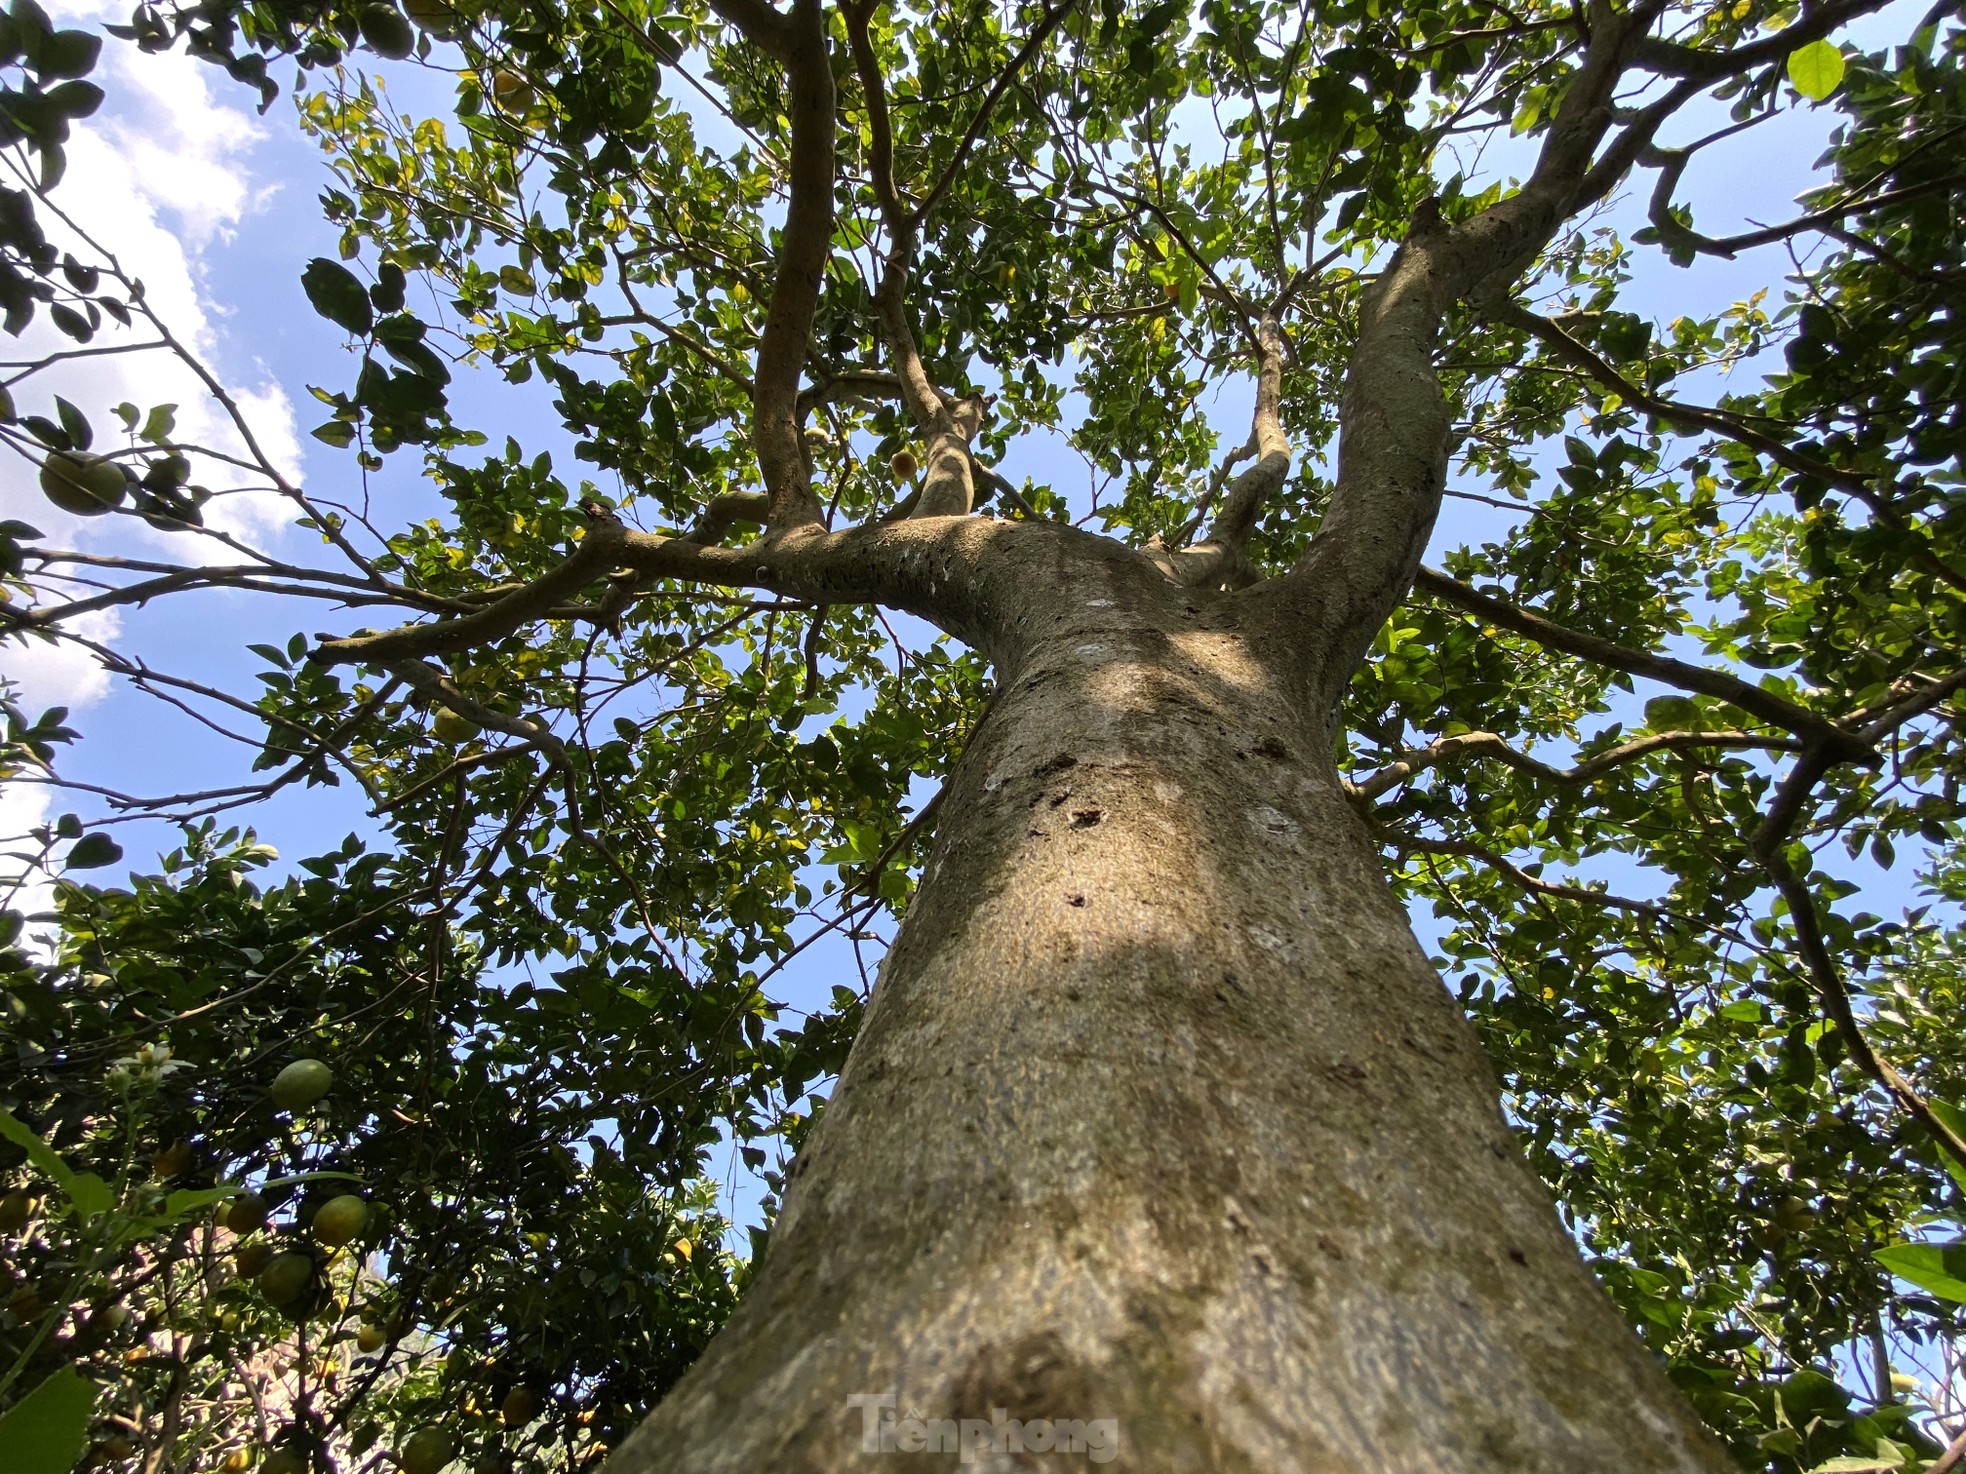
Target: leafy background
column 578, row 996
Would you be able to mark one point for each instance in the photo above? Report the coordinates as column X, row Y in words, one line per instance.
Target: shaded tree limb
column 597, row 553
column 759, row 22
column 436, row 686
column 1673, row 59
column 947, row 427
column 1881, row 719
column 1835, row 997
column 971, row 576
column 1842, row 745
column 849, row 384
column 1769, row 846
column 1047, row 23
column 1946, row 1462
column 1489, row 744
column 1517, row 876
column 1563, row 346
column 1003, row 487
column 1673, row 164
column 1206, row 501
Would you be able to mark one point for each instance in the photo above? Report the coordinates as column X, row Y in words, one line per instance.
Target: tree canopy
column 1639, row 749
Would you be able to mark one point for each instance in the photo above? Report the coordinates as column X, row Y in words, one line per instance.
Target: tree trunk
column 1161, row 1120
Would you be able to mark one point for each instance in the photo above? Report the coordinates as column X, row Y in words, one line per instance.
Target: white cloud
column 60, row 673
column 158, row 179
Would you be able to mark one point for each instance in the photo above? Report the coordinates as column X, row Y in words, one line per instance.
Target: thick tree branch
column 880, row 129
column 849, row 384
column 948, row 487
column 1671, row 59
column 760, row 23
column 1394, row 419
column 1263, row 479
column 947, row 428
column 727, row 511
column 1219, row 558
column 970, row 576
column 598, row 552
column 1812, row 728
column 806, row 245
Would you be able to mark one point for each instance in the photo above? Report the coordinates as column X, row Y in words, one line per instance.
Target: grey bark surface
column 1159, row 1113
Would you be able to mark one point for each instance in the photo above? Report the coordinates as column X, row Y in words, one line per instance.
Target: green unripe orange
column 15, row 1208
column 512, row 93
column 371, row 1337
column 386, row 32
column 301, row 1083
column 339, row 1220
column 426, row 1451
column 247, row 1213
column 286, row 1276
column 85, row 485
column 519, row 1408
column 450, row 727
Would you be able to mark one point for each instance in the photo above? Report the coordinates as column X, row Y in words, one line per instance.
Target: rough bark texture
column 1161, row 1115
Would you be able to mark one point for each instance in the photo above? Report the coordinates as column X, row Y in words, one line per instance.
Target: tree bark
column 1160, row 1115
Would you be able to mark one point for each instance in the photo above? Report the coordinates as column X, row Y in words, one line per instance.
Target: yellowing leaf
column 1816, row 69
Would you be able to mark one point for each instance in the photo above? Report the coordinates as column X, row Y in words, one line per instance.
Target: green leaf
column 338, row 295
column 1954, row 1121
column 93, row 851
column 89, row 1195
column 38, row 1151
column 75, row 423
column 67, row 54
column 338, row 433
column 44, row 1432
column 191, row 1199
column 1939, row 1269
column 75, row 99
column 1816, row 69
